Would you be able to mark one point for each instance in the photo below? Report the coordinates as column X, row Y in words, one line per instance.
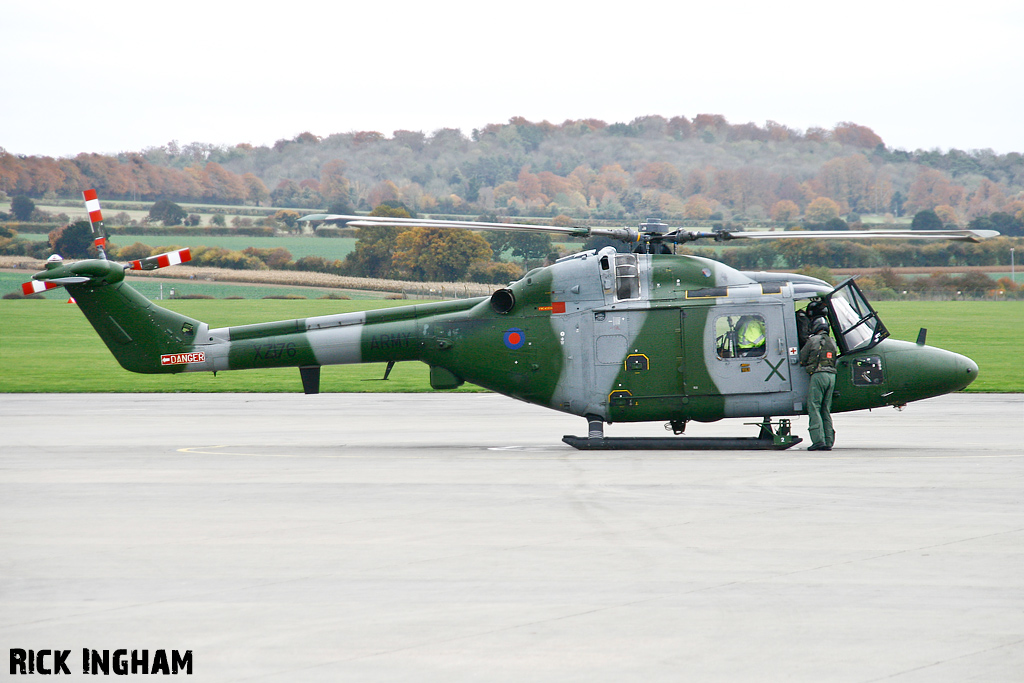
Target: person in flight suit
column 818, row 356
column 750, row 336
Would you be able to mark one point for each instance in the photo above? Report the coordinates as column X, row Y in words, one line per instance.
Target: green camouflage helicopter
column 609, row 336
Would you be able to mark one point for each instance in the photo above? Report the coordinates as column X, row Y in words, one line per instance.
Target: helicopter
column 609, row 336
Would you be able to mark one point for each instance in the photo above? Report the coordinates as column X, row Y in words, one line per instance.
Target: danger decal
column 182, row 358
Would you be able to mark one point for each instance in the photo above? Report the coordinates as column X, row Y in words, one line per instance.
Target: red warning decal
column 182, row 358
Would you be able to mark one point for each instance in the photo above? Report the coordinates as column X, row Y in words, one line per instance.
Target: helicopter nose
column 922, row 372
column 952, row 372
column 968, row 369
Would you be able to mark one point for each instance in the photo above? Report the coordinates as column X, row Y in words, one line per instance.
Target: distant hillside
column 699, row 169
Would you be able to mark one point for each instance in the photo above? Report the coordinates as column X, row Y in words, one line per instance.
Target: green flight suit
column 818, row 356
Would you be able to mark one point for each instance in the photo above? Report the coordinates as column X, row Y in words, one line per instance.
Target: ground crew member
column 750, row 336
column 818, row 356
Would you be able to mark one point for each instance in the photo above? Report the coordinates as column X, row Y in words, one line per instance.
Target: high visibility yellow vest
column 751, row 335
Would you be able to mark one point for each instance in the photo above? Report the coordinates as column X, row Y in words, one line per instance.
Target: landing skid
column 768, row 440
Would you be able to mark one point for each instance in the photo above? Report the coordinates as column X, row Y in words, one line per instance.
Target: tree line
column 703, row 168
column 452, row 255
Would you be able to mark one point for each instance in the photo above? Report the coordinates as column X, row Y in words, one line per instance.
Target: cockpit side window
column 627, row 277
column 855, row 322
column 740, row 336
column 867, row 371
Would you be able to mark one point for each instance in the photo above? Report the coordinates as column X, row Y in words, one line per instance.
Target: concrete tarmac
column 378, row 537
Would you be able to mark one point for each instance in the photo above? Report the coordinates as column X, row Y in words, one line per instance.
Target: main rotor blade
column 677, row 236
column 627, row 234
column 959, row 235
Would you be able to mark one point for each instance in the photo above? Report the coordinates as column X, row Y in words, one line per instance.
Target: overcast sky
column 109, row 76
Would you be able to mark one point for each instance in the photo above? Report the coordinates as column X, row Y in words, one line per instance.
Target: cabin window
column 867, row 371
column 627, row 277
column 740, row 336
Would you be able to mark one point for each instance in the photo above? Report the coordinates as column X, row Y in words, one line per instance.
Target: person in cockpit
column 750, row 336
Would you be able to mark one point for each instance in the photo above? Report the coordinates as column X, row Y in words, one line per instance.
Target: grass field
column 47, row 346
column 75, row 209
column 986, row 331
column 150, row 288
column 330, row 248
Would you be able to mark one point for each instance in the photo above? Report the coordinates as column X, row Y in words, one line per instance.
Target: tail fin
column 139, row 333
column 143, row 337
column 136, row 331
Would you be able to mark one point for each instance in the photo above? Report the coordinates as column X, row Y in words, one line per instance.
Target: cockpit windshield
column 855, row 322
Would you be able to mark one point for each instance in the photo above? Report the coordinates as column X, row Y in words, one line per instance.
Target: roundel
column 514, row 338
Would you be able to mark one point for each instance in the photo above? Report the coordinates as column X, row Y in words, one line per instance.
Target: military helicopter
column 608, row 336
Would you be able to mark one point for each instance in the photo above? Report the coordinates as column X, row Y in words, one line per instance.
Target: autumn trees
column 821, row 210
column 127, row 176
column 784, row 211
column 426, row 254
column 702, row 168
column 438, row 254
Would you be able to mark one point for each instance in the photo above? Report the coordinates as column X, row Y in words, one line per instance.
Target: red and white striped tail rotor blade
column 36, row 286
column 171, row 258
column 92, row 206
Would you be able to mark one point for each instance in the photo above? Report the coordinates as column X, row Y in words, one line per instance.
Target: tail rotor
column 171, row 258
column 36, row 286
column 99, row 235
column 96, row 271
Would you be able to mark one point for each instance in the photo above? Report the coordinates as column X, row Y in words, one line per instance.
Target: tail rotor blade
column 171, row 258
column 92, row 205
column 36, row 286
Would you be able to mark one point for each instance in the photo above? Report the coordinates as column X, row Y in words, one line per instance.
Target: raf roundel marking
column 514, row 338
